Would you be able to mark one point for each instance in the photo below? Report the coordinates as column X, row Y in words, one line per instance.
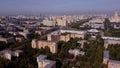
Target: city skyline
column 59, row 34
column 35, row 7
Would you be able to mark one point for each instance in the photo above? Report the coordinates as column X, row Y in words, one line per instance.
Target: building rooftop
column 49, row 63
column 111, row 38
column 114, row 61
column 93, row 30
column 45, row 62
column 106, row 54
column 41, row 57
column 81, row 41
column 72, row 31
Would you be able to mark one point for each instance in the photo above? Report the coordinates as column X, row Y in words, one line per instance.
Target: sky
column 57, row 6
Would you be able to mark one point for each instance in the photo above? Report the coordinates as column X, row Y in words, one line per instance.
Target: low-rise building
column 114, row 64
column 110, row 40
column 7, row 40
column 43, row 62
column 65, row 35
column 111, row 63
column 8, row 54
column 42, row 44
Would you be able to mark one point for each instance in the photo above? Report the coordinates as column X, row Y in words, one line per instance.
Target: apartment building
column 8, row 54
column 114, row 64
column 43, row 62
column 110, row 40
column 42, row 44
column 111, row 63
column 65, row 35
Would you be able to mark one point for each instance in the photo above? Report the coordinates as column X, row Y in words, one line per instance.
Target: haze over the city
column 9, row 7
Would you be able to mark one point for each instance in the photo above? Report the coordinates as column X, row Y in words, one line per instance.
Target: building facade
column 114, row 64
column 45, row 63
column 65, row 35
column 110, row 40
column 42, row 44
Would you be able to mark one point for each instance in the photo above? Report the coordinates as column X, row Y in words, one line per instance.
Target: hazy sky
column 57, row 6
